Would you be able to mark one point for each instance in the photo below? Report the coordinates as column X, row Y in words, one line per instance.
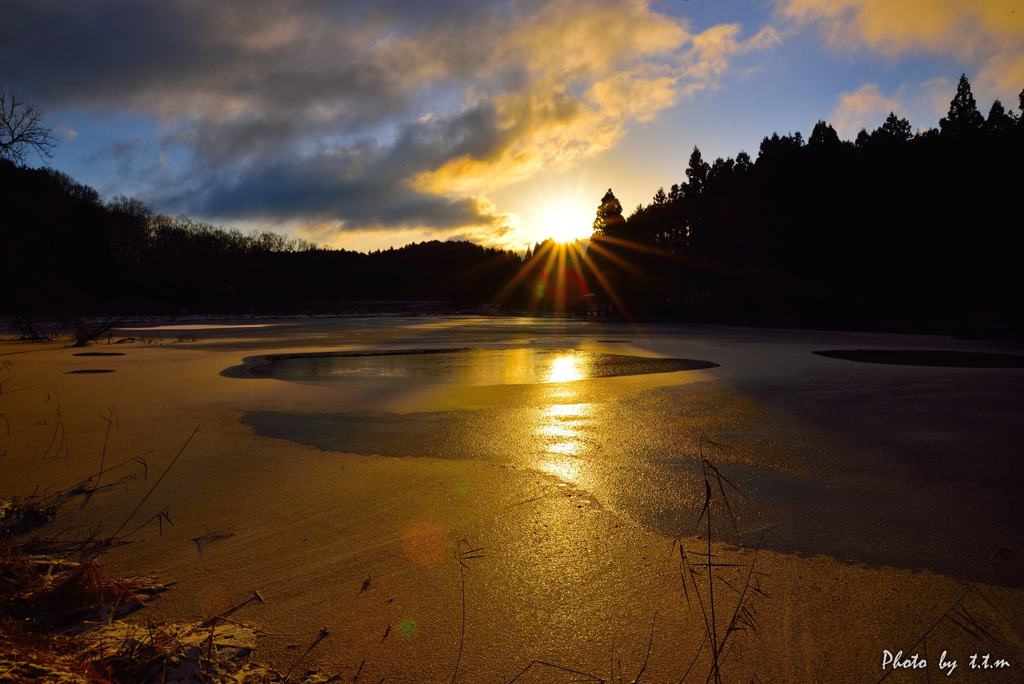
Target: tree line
column 65, row 252
column 894, row 230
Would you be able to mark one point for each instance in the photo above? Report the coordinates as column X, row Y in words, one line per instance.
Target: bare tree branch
column 22, row 130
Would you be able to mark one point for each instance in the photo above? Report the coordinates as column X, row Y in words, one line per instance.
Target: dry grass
column 735, row 587
column 48, row 603
column 64, row 620
column 63, row 617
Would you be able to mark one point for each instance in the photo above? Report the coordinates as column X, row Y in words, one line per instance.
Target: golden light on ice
column 423, row 542
column 561, row 429
column 566, row 368
column 566, row 411
column 565, row 468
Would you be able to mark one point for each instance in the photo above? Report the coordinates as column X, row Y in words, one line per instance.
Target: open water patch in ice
column 473, row 367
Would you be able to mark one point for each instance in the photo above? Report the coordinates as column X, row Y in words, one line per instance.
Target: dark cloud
column 335, row 66
column 311, row 189
column 121, row 151
column 364, row 183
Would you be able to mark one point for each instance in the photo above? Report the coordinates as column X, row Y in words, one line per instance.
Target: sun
column 565, row 223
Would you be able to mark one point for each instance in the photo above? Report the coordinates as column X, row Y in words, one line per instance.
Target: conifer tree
column 893, row 130
column 963, row 119
column 609, row 215
column 697, row 173
column 998, row 119
column 824, row 136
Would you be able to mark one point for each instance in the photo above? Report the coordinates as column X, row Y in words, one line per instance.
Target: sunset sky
column 365, row 125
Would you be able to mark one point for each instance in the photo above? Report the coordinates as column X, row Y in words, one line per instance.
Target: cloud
column 492, row 228
column 714, row 49
column 580, row 100
column 67, row 132
column 985, row 34
column 868, row 106
column 365, row 115
column 862, row 108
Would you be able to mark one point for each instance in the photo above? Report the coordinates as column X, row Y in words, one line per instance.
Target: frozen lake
column 341, row 466
column 915, row 466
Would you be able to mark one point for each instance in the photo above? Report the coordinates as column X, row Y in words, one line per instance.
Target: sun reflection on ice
column 567, row 410
column 558, row 425
column 566, row 368
column 567, row 469
column 562, row 432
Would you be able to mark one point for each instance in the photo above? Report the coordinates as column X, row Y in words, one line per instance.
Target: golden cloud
column 629, row 95
column 865, row 107
column 492, row 228
column 593, row 70
column 988, row 34
column 868, row 106
column 714, row 48
column 577, row 38
column 547, row 129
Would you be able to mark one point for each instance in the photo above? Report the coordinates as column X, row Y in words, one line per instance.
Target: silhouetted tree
column 129, row 230
column 779, row 149
column 823, row 136
column 696, row 173
column 74, row 189
column 963, row 118
column 998, row 119
column 609, row 219
column 894, row 131
column 721, row 170
column 22, row 129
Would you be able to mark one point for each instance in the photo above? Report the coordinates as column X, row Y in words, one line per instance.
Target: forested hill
column 65, row 252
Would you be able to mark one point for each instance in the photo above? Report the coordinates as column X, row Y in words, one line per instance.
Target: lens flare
column 408, row 628
column 424, row 542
